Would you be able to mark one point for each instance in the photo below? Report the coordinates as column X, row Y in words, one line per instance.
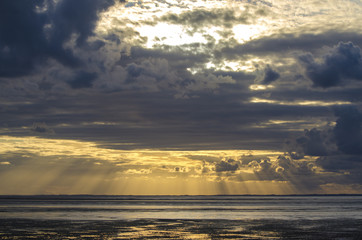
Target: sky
column 180, row 97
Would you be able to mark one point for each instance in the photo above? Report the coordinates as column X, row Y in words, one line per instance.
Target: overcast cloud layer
column 181, row 77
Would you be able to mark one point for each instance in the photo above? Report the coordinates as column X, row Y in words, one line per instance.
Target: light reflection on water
column 180, row 207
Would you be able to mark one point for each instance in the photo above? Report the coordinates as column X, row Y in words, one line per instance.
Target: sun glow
column 145, row 23
column 244, row 33
column 256, row 87
column 296, row 103
column 79, row 167
column 168, row 34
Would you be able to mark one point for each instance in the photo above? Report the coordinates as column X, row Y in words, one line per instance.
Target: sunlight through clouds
column 180, row 97
column 98, row 170
column 308, row 103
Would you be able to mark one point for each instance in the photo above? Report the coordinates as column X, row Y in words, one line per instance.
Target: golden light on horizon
column 79, row 167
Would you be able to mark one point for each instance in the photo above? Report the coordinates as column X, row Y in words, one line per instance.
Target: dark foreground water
column 181, row 217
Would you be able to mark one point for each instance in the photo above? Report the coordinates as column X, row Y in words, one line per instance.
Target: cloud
column 176, row 56
column 347, row 168
column 341, row 162
column 269, row 75
column 41, row 127
column 226, row 166
column 226, row 17
column 151, row 74
column 204, row 158
column 34, row 31
column 343, row 138
column 212, row 109
column 76, row 17
column 314, row 142
column 344, row 61
column 348, row 130
column 285, row 168
column 305, row 174
column 108, row 88
column 22, row 40
column 83, row 79
column 285, row 44
column 338, row 148
column 158, row 74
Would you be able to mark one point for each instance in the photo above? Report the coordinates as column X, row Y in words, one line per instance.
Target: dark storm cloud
column 270, row 76
column 343, row 62
column 83, row 79
column 314, row 142
column 33, row 31
column 22, row 39
column 348, row 130
column 338, row 147
column 341, row 162
column 76, row 17
column 344, row 138
column 347, row 166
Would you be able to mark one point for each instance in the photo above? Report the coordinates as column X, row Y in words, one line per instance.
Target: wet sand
column 181, row 229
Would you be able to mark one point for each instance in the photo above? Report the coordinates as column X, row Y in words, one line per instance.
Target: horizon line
column 176, row 195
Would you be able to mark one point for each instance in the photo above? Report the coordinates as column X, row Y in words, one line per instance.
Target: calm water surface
column 180, row 207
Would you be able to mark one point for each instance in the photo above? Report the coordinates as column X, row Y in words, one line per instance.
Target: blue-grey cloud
column 270, row 76
column 338, row 147
column 282, row 44
column 314, row 142
column 348, row 130
column 341, row 162
column 344, row 138
column 29, row 36
column 343, row 62
column 76, row 17
column 22, row 39
column 83, row 79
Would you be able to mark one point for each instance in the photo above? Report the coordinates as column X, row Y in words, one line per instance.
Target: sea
column 181, row 217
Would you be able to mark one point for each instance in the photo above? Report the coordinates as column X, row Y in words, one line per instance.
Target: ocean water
column 181, row 217
column 180, row 207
